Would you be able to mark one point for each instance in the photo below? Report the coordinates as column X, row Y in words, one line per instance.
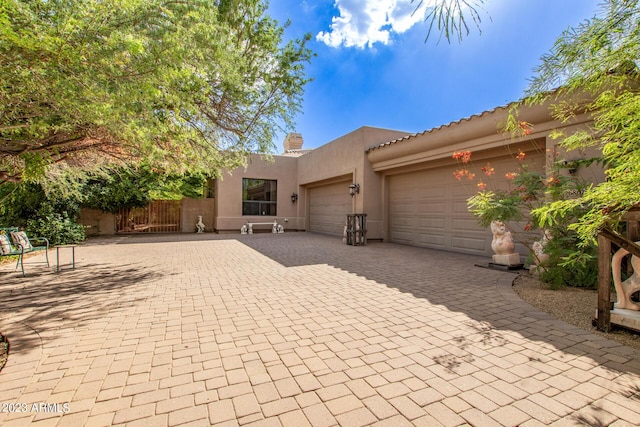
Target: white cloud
column 361, row 23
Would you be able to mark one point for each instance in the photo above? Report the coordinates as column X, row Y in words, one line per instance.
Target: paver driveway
column 294, row 330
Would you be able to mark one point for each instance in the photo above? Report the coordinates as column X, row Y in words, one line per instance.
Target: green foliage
column 42, row 214
column 121, row 188
column 594, row 68
column 527, row 193
column 566, row 266
column 183, row 85
column 136, row 187
column 490, row 206
column 57, row 228
column 451, row 17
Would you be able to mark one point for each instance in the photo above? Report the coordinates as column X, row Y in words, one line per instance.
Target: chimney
column 293, row 141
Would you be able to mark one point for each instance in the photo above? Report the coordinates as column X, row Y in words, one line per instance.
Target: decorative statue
column 274, row 229
column 625, row 289
column 538, row 248
column 502, row 244
column 344, row 233
column 200, row 225
column 243, row 229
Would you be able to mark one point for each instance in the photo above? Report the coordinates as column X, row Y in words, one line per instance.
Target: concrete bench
column 14, row 242
column 275, row 227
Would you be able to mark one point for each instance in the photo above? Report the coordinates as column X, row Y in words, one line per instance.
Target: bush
column 568, row 267
column 519, row 198
column 57, row 228
column 27, row 205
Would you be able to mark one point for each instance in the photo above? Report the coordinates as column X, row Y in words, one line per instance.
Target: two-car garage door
column 429, row 208
column 328, row 208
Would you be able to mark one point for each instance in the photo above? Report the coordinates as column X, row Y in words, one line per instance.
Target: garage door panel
column 400, row 223
column 433, row 241
column 464, row 224
column 437, row 223
column 469, row 243
column 403, row 207
column 460, row 207
column 405, row 237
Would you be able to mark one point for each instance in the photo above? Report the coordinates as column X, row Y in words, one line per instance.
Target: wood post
column 604, row 283
column 605, row 240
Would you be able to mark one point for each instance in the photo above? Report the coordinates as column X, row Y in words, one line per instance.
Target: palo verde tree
column 592, row 68
column 451, row 18
column 597, row 63
column 183, row 86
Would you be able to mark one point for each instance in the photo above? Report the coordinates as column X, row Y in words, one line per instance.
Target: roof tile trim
column 457, row 122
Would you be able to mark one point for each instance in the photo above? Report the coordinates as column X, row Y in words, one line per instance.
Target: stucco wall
column 191, row 209
column 229, row 216
column 96, row 222
column 99, row 223
column 346, row 156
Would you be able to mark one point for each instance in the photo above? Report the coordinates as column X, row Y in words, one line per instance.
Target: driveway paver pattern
column 295, row 330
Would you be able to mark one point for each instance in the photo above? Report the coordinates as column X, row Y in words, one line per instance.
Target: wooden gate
column 159, row 216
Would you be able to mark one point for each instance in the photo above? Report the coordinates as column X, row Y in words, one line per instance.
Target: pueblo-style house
column 403, row 182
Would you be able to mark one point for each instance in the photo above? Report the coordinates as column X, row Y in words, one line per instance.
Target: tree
column 118, row 188
column 183, row 85
column 451, row 17
column 591, row 68
column 594, row 68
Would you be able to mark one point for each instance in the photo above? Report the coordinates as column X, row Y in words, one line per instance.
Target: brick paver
column 293, row 330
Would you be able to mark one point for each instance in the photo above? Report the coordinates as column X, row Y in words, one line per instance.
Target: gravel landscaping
column 572, row 305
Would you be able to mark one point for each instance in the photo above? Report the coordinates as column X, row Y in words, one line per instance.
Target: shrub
column 522, row 193
column 57, row 228
column 52, row 216
column 568, row 267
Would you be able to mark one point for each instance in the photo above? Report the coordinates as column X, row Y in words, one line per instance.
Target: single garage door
column 429, row 208
column 328, row 208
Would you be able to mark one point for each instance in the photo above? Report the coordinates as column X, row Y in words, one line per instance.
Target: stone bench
column 275, row 227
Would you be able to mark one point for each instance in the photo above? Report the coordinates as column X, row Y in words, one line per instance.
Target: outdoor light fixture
column 354, row 189
column 294, row 197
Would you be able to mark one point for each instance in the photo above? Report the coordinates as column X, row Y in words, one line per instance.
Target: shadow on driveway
column 83, row 295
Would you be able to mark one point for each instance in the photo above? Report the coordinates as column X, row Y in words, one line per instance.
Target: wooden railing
column 606, row 239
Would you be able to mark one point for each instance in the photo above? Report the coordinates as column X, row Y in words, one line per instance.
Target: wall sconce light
column 294, row 197
column 572, row 166
column 354, row 189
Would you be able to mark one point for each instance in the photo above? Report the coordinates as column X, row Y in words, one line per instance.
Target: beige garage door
column 429, row 208
column 328, row 208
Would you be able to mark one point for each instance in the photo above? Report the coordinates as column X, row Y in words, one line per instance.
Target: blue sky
column 373, row 67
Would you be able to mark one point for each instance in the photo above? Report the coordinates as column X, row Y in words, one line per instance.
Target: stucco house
column 403, row 182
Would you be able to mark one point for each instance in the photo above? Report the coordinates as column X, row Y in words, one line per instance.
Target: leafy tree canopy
column 191, row 85
column 594, row 68
column 120, row 187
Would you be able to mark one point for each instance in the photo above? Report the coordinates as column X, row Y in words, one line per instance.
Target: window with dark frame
column 259, row 197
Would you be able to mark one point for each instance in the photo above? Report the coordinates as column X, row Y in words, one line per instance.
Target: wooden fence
column 160, row 216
